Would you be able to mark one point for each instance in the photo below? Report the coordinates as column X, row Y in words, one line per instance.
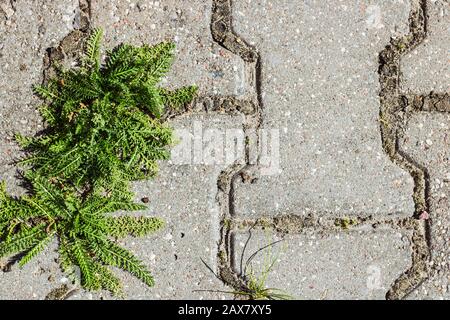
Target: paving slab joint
column 71, row 46
column 223, row 33
column 395, row 111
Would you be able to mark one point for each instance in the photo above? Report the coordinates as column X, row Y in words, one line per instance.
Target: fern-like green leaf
column 108, row 280
column 120, row 227
column 45, row 92
column 36, row 249
column 22, row 241
column 67, row 259
column 93, row 48
column 114, row 255
column 160, row 60
column 89, row 279
column 178, row 98
column 103, row 131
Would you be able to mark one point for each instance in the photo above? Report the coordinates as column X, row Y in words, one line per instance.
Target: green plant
column 345, row 223
column 253, row 286
column 103, row 131
column 255, row 280
column 256, row 289
column 103, row 119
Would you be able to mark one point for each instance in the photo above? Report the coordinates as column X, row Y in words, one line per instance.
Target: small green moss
column 227, row 223
column 345, row 223
column 58, row 293
column 222, row 257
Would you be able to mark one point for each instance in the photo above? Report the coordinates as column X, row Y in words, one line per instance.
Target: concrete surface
column 426, row 68
column 199, row 58
column 428, row 143
column 348, row 215
column 27, row 30
column 349, row 265
column 319, row 87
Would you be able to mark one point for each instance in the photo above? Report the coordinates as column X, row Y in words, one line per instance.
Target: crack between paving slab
column 395, row 111
column 284, row 225
column 288, row 224
column 215, row 104
column 71, row 46
column 433, row 102
column 223, row 33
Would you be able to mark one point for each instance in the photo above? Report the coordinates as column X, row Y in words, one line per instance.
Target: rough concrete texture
column 184, row 196
column 34, row 280
column 199, row 58
column 357, row 204
column 428, row 142
column 426, row 68
column 27, row 30
column 359, row 264
column 320, row 89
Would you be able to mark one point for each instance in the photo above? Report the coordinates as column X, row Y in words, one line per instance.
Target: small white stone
column 168, row 237
column 9, row 12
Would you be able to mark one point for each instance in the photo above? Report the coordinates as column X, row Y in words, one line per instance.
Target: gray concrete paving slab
column 428, row 142
column 426, row 68
column 198, row 60
column 349, row 265
column 320, row 91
